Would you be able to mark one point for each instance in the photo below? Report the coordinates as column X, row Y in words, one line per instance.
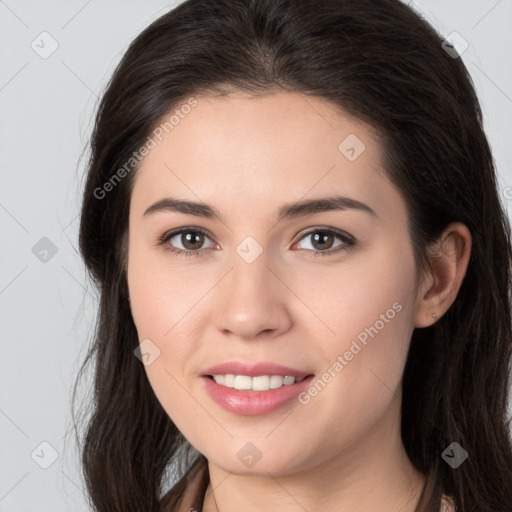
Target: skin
column 247, row 156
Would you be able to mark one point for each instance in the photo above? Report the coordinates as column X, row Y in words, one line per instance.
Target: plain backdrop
column 56, row 58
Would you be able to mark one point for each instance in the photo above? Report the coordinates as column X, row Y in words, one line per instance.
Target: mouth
column 251, row 389
column 253, row 395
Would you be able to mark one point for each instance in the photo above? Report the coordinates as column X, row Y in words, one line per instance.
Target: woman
column 248, row 134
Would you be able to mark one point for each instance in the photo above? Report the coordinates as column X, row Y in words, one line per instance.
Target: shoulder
column 447, row 504
column 188, row 493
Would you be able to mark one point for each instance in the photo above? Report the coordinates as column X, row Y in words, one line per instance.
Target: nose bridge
column 250, row 278
column 250, row 298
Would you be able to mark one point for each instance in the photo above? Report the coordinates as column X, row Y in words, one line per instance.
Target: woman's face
column 269, row 282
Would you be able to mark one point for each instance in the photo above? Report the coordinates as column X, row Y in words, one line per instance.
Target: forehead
column 255, row 151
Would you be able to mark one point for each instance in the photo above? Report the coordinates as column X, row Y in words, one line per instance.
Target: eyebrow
column 288, row 211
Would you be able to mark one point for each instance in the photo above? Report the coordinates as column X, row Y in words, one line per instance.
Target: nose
column 251, row 300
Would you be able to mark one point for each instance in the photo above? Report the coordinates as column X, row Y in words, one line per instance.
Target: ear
column 449, row 258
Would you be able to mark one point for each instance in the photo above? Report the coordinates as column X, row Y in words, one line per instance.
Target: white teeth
column 259, row 383
column 276, row 381
column 229, row 380
column 243, row 382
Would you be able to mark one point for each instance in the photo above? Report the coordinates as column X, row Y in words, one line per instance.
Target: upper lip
column 254, row 369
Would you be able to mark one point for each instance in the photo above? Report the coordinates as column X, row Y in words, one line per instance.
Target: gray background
column 46, row 113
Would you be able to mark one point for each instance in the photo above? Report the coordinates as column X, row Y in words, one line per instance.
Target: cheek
column 166, row 309
column 367, row 302
column 160, row 293
column 161, row 312
column 369, row 309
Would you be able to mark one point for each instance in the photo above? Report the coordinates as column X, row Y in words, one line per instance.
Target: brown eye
column 323, row 241
column 192, row 240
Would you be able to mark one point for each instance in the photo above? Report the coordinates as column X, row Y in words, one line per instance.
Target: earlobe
column 449, row 262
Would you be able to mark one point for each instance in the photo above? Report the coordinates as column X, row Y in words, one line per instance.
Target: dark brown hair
column 383, row 63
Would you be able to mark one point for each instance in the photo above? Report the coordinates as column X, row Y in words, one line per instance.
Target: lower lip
column 252, row 403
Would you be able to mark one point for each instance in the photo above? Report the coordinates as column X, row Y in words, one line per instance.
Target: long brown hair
column 383, row 63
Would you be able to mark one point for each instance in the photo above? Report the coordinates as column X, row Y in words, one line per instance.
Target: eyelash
column 349, row 242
